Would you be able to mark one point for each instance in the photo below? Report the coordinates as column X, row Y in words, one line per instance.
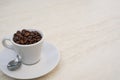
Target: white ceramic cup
column 30, row 54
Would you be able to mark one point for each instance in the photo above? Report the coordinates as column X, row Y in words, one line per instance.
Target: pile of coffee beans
column 26, row 37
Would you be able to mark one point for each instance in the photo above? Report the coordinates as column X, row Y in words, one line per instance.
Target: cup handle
column 5, row 44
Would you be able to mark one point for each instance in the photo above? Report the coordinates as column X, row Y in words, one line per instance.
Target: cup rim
column 20, row 45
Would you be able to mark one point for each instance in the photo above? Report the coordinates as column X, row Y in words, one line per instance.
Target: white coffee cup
column 30, row 54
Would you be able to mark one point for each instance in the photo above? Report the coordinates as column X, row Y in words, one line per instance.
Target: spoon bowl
column 14, row 64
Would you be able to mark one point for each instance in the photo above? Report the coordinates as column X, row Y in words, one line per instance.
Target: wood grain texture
column 86, row 32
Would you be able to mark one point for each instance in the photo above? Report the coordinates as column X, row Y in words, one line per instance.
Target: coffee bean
column 32, row 33
column 27, row 34
column 26, row 37
column 21, row 41
column 18, row 42
column 29, row 37
column 18, row 32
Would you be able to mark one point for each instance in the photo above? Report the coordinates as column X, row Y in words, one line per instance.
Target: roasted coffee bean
column 27, row 34
column 18, row 32
column 23, row 32
column 26, row 37
column 21, row 41
column 32, row 33
column 37, row 39
column 18, row 42
column 30, row 37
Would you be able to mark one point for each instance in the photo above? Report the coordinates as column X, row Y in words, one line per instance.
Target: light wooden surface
column 86, row 32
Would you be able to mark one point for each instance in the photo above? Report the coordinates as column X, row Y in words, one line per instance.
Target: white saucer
column 49, row 60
